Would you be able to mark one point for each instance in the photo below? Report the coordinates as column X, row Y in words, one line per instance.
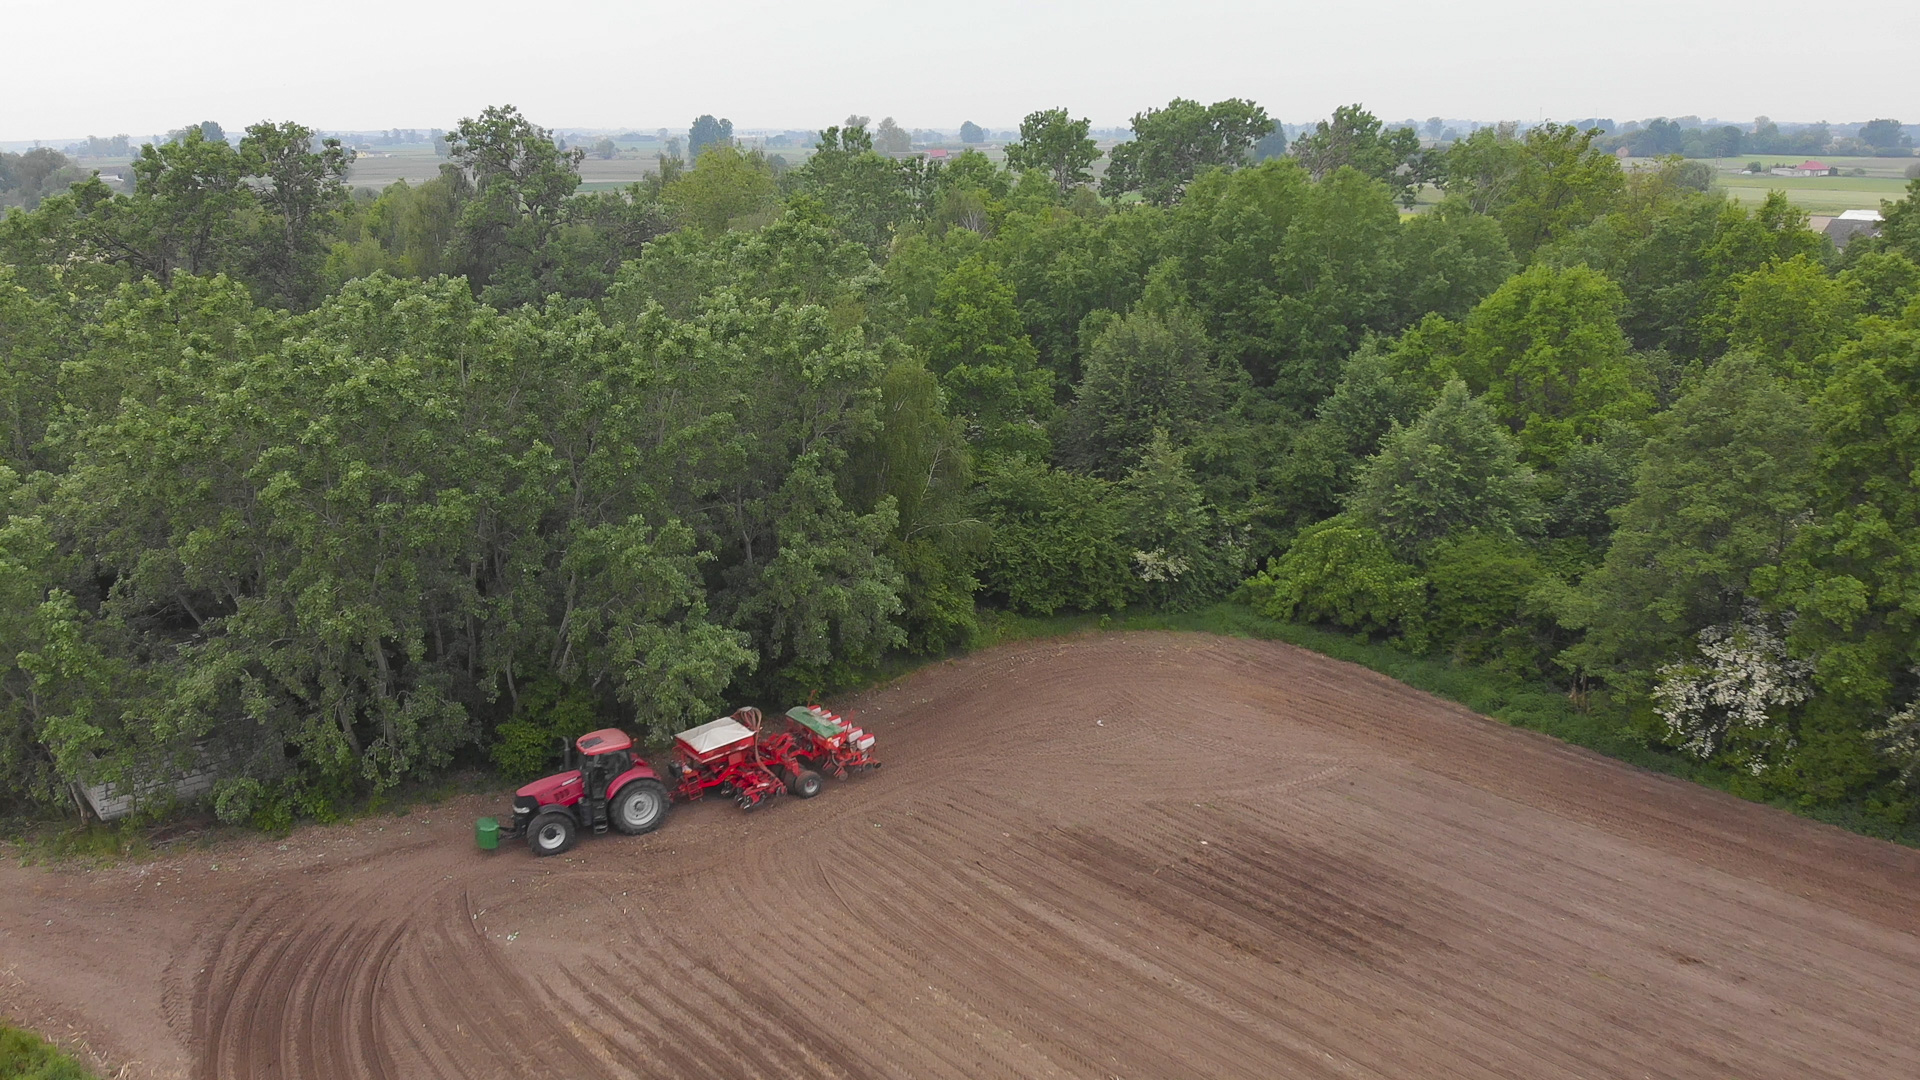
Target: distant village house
column 1806, row 168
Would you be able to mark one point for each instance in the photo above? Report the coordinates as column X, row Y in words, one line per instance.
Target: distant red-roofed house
column 1805, row 168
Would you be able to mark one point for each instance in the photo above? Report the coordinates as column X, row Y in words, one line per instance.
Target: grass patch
column 93, row 844
column 26, row 1056
column 1532, row 704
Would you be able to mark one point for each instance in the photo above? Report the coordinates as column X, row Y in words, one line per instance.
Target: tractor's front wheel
column 640, row 807
column 552, row 833
column 804, row 783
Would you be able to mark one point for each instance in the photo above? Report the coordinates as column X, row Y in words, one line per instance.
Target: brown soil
column 1148, row 855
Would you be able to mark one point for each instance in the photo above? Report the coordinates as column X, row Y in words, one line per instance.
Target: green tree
column 34, row 338
column 1540, row 186
column 1885, row 135
column 1547, row 350
column 918, row 457
column 300, row 192
column 1367, row 403
column 1486, row 604
column 1900, row 223
column 1289, row 274
column 1449, row 261
column 1722, row 487
column 1147, row 376
column 1053, row 143
column 1884, row 282
column 1271, row 145
column 724, row 189
column 891, row 138
column 824, row 604
column 520, row 180
column 1453, row 470
column 1791, row 313
column 868, row 194
column 1853, row 573
column 1184, row 554
column 406, row 231
column 1354, row 138
column 190, row 197
column 1171, row 146
column 977, row 346
column 972, row 133
column 707, row 132
column 1065, row 268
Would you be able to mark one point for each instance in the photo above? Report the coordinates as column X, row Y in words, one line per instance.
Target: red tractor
column 735, row 756
column 606, row 785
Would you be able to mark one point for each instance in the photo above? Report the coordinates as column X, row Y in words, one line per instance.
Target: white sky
column 139, row 66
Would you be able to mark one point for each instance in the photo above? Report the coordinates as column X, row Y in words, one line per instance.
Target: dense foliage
column 323, row 489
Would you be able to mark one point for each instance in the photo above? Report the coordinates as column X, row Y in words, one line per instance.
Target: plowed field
column 1142, row 856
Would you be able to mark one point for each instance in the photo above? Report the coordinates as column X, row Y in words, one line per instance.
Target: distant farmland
column 1816, row 194
column 378, row 168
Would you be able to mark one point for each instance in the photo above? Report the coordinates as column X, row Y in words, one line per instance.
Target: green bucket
column 486, row 832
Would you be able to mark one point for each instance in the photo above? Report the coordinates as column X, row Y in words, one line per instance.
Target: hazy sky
column 136, row 66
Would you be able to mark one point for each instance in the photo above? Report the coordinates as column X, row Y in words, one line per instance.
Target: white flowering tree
column 1731, row 700
column 1900, row 741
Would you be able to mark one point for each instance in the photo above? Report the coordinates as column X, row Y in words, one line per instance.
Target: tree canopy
column 325, row 489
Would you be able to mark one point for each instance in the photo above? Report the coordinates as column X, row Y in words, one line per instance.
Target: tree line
column 324, row 489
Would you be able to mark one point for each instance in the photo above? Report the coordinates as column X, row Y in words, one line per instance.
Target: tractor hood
column 558, row 788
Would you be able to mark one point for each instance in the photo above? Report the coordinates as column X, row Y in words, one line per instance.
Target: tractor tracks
column 345, row 977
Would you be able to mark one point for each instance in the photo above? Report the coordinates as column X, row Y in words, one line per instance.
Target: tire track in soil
column 355, row 979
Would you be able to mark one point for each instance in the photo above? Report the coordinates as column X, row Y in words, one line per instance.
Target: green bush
column 1341, row 572
column 1483, row 607
column 1059, row 541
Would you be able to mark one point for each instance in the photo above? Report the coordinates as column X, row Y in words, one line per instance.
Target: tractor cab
column 603, row 755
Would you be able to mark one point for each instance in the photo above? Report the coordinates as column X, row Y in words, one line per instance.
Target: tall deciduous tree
column 1721, row 490
column 1146, row 375
column 724, row 187
column 1453, row 470
column 1547, row 350
column 1054, row 143
column 1854, row 572
column 977, row 346
column 302, row 188
column 705, row 132
column 1171, row 146
column 891, row 138
column 520, row 179
column 1540, row 186
column 1354, row 138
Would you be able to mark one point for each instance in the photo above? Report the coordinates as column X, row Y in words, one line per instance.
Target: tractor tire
column 804, row 784
column 640, row 807
column 553, row 833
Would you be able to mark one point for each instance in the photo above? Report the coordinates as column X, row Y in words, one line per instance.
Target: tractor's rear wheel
column 805, row 783
column 552, row 833
column 640, row 807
